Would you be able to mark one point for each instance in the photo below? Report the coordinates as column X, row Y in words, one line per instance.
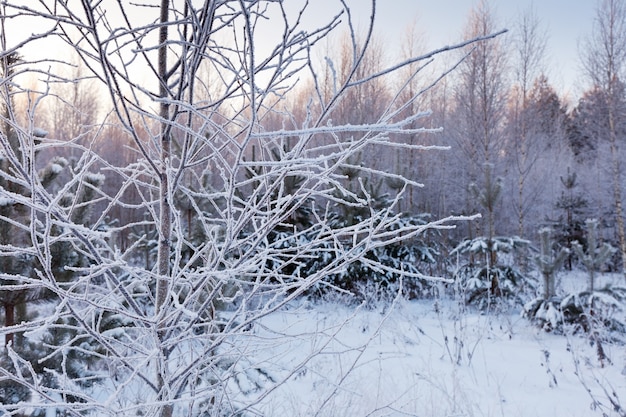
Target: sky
column 441, row 22
column 566, row 23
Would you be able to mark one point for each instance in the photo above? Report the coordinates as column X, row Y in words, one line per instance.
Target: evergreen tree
column 545, row 311
column 484, row 278
column 569, row 228
column 586, row 125
column 485, row 284
column 547, row 112
column 593, row 256
column 596, row 309
column 589, row 310
column 548, row 263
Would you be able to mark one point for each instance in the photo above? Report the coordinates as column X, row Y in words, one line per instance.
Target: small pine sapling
column 594, row 257
column 488, row 279
column 484, row 283
column 548, row 264
column 545, row 311
column 570, row 227
column 596, row 308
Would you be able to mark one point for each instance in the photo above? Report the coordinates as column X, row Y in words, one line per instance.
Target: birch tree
column 480, row 103
column 188, row 336
column 536, row 134
column 529, row 46
column 604, row 58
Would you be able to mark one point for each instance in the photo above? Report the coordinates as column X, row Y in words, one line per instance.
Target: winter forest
column 234, row 208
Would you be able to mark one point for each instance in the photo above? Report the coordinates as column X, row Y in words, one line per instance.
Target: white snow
column 56, row 168
column 58, row 164
column 39, row 132
column 414, row 358
column 428, row 363
column 95, row 178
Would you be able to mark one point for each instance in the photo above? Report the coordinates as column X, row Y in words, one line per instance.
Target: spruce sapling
column 595, row 256
column 548, row 264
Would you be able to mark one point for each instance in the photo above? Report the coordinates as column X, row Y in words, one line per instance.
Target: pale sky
column 566, row 22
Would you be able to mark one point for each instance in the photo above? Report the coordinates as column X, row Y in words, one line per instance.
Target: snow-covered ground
column 428, row 358
column 416, row 358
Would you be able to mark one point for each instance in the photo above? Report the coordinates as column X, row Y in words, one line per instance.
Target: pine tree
column 593, row 256
column 546, row 311
column 573, row 204
column 486, row 279
column 549, row 263
column 594, row 309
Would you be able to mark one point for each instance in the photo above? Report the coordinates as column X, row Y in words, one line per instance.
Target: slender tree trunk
column 617, row 187
column 521, row 163
column 546, row 286
column 570, row 227
column 520, row 206
column 165, row 209
column 164, row 203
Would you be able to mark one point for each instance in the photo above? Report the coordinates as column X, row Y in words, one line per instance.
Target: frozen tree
column 595, row 309
column 16, row 218
column 592, row 310
column 529, row 46
column 573, row 203
column 536, row 139
column 25, row 264
column 185, row 336
column 605, row 63
column 480, row 94
column 593, row 256
column 548, row 263
column 546, row 310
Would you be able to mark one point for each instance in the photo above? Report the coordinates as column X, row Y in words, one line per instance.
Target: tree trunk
column 617, row 185
column 520, row 206
column 9, row 320
column 165, row 211
column 546, row 286
column 165, row 208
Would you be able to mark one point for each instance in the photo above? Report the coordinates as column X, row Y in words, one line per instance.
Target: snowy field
column 424, row 358
column 431, row 358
